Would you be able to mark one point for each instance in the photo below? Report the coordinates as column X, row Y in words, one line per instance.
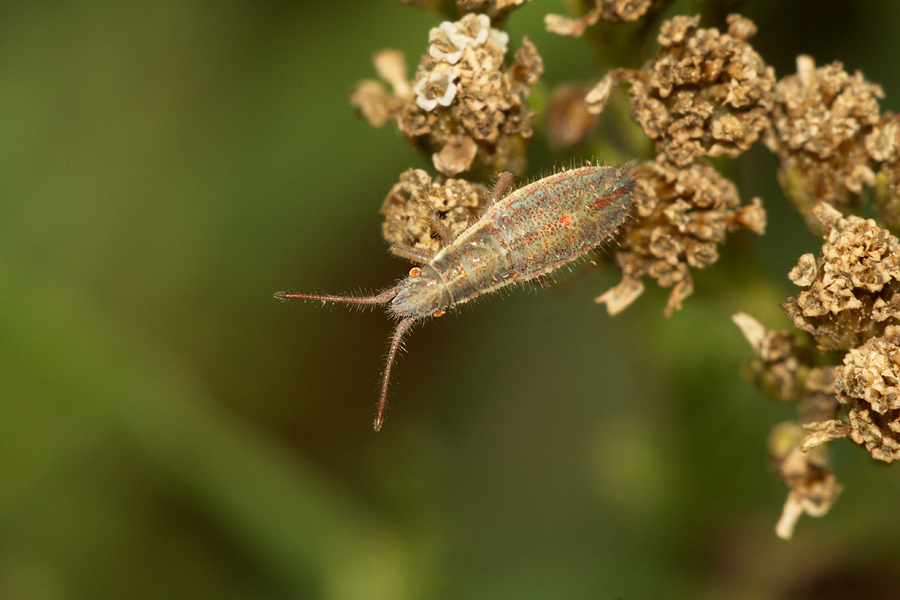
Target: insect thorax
column 420, row 296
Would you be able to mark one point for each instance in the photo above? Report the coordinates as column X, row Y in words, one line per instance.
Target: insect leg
column 442, row 230
column 413, row 255
column 501, row 187
column 402, row 327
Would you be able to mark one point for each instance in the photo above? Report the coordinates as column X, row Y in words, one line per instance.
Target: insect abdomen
column 535, row 230
column 558, row 219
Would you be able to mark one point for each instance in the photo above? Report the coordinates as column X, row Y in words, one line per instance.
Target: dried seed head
column 680, row 217
column 705, row 93
column 869, row 383
column 411, row 202
column 824, row 131
column 782, row 369
column 609, row 10
column 780, row 365
column 813, row 487
column 851, row 292
column 464, row 106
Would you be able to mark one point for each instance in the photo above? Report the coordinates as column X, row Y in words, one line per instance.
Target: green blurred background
column 169, row 430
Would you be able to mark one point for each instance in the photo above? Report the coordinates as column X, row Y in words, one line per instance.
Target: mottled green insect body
column 529, row 233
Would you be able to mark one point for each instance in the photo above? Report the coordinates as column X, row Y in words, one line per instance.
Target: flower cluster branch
column 704, row 93
column 848, row 309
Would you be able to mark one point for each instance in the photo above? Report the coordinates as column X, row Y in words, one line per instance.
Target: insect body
column 529, row 233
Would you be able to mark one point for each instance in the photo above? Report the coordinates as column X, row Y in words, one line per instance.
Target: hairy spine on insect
column 529, row 233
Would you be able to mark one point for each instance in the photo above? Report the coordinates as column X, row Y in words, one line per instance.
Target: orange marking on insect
column 439, row 313
column 415, row 272
column 566, row 219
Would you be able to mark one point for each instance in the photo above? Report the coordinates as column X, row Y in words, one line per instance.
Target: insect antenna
column 402, row 327
column 396, row 341
column 382, row 298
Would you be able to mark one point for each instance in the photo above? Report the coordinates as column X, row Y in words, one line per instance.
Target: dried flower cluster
column 409, row 207
column 609, row 10
column 850, row 305
column 681, row 216
column 868, row 385
column 851, row 292
column 463, row 105
column 828, row 135
column 781, row 367
column 705, row 93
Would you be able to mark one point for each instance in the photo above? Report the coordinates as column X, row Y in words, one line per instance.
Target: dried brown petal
column 598, row 96
column 391, row 67
column 569, row 122
column 456, row 156
column 751, row 217
column 596, row 99
column 740, row 27
column 821, row 379
column 560, row 25
column 609, row 10
column 805, row 272
column 822, row 432
column 621, row 296
column 628, row 10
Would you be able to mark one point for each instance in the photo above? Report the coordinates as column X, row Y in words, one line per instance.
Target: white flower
column 500, row 39
column 471, row 29
column 447, row 42
column 441, row 46
column 435, row 88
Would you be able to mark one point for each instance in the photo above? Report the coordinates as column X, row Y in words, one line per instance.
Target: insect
column 528, row 233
